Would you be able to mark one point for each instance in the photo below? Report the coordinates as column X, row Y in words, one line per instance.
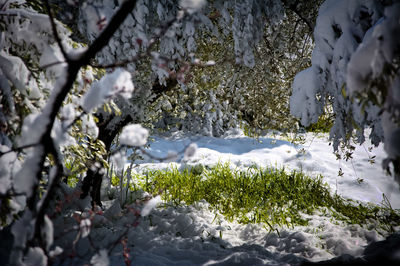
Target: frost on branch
column 134, row 135
column 118, row 82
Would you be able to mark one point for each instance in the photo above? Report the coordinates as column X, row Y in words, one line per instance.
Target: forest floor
column 198, row 235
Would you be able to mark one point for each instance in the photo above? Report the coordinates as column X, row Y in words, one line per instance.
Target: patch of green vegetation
column 270, row 196
column 323, row 125
column 72, row 174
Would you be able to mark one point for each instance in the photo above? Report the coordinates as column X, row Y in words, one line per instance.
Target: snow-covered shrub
column 355, row 70
column 373, row 77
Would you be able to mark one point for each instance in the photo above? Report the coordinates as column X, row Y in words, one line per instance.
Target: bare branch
column 46, row 142
column 50, row 193
column 19, row 149
column 118, row 18
column 54, row 28
column 52, row 64
column 4, row 5
column 293, row 7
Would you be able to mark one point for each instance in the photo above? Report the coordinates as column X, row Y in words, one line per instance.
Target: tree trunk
column 94, row 176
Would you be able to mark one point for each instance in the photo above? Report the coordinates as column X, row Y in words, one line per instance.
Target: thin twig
column 19, row 149
column 293, row 7
column 54, row 28
column 3, row 5
column 108, row 32
column 52, row 64
column 118, row 240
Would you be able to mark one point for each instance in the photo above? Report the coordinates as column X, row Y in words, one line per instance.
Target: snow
column 314, row 157
column 16, row 71
column 100, row 259
column 190, row 151
column 95, row 19
column 196, row 235
column 304, row 104
column 89, row 127
column 7, row 162
column 22, row 231
column 192, row 235
column 341, row 27
column 48, row 232
column 118, row 160
column 24, row 181
column 85, row 227
column 35, row 257
column 118, row 82
column 150, row 205
column 192, row 6
column 378, row 50
column 133, row 135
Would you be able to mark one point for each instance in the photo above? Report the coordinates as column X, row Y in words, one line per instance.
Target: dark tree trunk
column 94, row 175
column 92, row 182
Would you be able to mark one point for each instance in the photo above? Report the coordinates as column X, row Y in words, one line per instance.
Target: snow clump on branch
column 134, row 135
column 372, row 72
column 118, row 82
column 340, row 29
column 100, row 258
column 150, row 205
column 192, row 6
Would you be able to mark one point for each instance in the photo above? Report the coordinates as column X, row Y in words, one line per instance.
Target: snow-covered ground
column 314, row 157
column 194, row 235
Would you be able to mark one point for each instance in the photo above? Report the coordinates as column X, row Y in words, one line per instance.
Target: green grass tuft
column 271, row 196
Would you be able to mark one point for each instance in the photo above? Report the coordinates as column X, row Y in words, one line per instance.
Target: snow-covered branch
column 28, row 177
